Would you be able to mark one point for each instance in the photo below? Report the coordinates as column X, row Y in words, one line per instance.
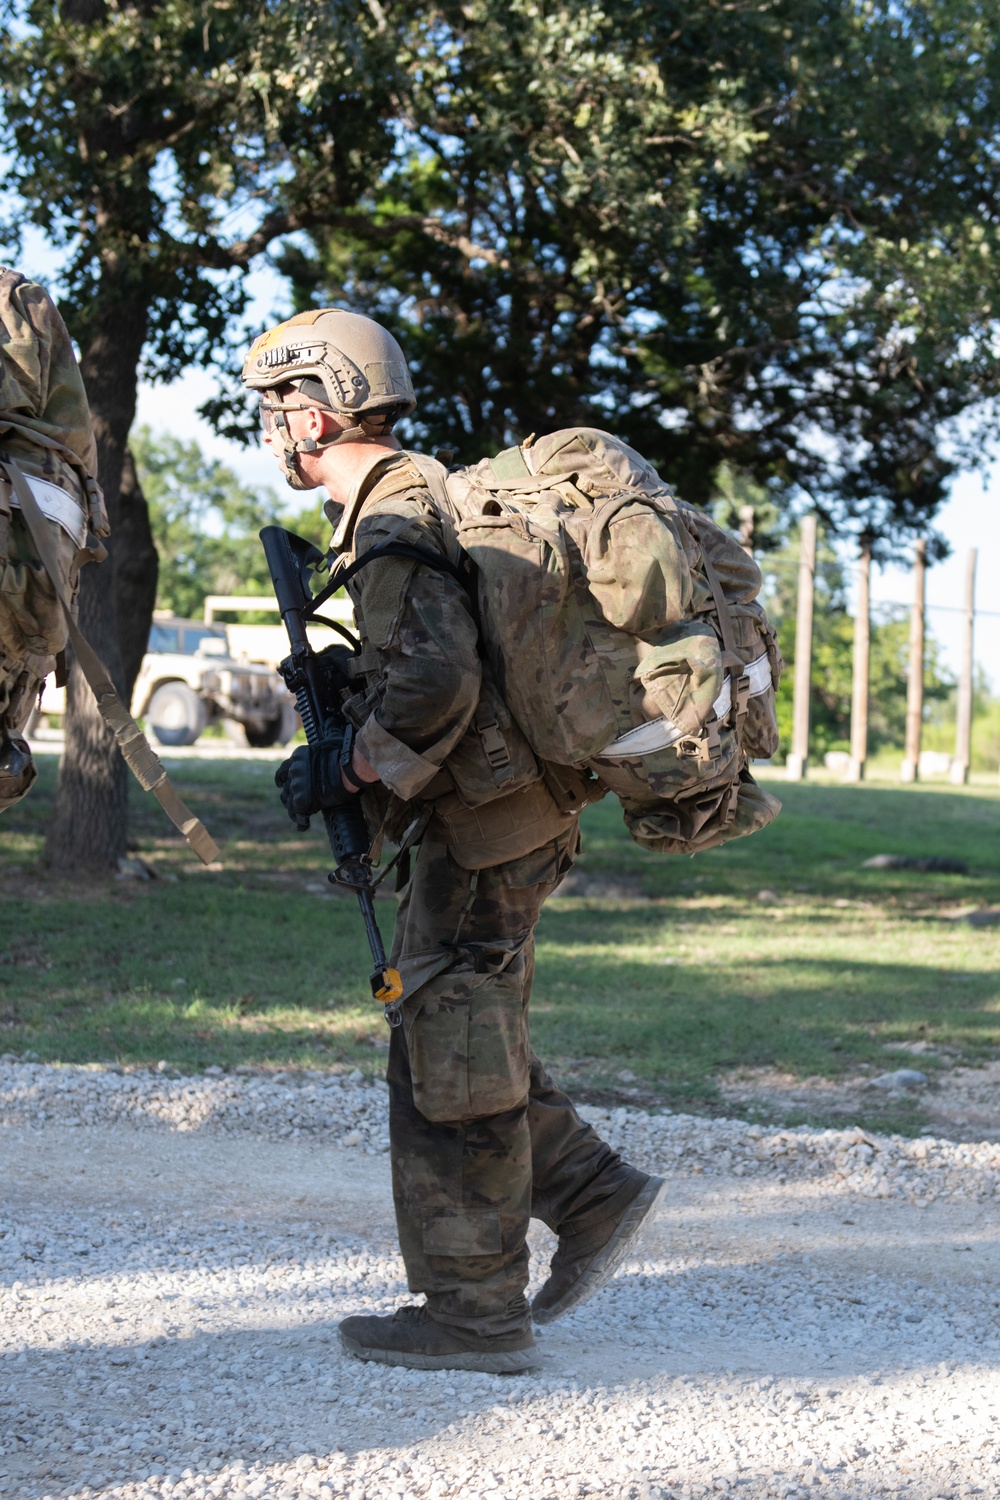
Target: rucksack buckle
column 741, row 698
column 708, row 745
column 495, row 749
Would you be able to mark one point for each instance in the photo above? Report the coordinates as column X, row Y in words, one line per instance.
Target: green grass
column 689, row 975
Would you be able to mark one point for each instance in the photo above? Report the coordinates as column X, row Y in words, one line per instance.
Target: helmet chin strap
column 292, row 447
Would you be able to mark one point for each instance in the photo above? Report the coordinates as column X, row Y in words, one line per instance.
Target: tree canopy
column 754, row 232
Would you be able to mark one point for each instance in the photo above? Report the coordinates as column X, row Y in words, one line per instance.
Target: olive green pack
column 623, row 628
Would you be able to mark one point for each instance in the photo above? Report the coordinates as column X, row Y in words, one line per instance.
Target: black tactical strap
column 139, row 755
column 340, row 576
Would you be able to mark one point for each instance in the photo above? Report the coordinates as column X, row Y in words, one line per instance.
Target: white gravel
column 816, row 1313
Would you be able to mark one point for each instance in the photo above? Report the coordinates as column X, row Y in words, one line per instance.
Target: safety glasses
column 267, row 409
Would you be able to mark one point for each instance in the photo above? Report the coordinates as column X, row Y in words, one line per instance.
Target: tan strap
column 139, row 755
column 731, row 657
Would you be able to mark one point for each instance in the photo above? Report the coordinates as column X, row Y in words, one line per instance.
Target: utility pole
column 862, row 651
column 963, row 727
column 910, row 769
column 748, row 523
column 798, row 759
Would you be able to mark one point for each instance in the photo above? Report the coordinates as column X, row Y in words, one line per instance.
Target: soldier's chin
column 294, row 479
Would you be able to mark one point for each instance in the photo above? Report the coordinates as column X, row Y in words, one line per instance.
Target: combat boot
column 411, row 1337
column 585, row 1261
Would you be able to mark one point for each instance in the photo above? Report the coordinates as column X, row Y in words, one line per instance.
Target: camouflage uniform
column 481, row 1139
column 45, row 429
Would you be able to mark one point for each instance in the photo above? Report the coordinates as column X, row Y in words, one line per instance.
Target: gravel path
column 816, row 1313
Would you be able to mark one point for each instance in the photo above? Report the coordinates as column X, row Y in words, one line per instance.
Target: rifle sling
column 342, row 575
column 139, row 754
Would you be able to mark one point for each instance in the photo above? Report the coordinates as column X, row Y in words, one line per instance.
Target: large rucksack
column 45, row 432
column 52, row 518
column 623, row 629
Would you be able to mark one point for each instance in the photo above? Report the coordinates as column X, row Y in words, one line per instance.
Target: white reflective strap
column 660, row 734
column 759, row 673
column 58, row 506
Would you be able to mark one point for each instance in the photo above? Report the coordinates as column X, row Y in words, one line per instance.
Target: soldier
column 45, row 431
column 481, row 1138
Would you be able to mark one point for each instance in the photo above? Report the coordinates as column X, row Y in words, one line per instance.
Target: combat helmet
column 340, row 360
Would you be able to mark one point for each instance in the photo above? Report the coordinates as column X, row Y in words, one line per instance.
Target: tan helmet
column 341, row 360
column 355, row 361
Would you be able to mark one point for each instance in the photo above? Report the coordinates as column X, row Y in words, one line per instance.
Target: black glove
column 310, row 780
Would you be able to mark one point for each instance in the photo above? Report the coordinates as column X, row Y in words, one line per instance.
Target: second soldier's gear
column 17, row 769
column 45, row 431
column 339, row 360
column 52, row 517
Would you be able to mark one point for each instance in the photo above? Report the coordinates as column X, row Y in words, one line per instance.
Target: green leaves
column 205, row 523
column 754, row 235
column 168, row 143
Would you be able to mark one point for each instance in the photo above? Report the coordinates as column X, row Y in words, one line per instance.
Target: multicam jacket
column 433, row 723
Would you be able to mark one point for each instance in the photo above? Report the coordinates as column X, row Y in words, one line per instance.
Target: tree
column 206, row 523
column 762, row 233
column 163, row 145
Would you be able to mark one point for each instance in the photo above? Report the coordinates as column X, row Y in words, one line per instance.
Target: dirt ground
column 960, row 1104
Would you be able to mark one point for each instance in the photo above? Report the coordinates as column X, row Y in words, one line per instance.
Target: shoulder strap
column 340, row 576
column 139, row 754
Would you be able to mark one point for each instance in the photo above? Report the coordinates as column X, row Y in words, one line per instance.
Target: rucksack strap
column 731, row 658
column 96, row 513
column 342, row 575
column 491, row 736
column 139, row 755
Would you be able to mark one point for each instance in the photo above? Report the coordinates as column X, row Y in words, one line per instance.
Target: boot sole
column 501, row 1362
column 638, row 1216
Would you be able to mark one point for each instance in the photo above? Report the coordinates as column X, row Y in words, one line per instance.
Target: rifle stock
column 291, row 560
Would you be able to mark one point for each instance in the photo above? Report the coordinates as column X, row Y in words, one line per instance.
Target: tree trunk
column 89, row 828
column 136, row 573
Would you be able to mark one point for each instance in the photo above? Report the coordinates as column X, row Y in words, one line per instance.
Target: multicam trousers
column 481, row 1138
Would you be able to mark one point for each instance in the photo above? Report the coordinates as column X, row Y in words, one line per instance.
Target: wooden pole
column 862, row 651
column 910, row 769
column 798, row 759
column 748, row 521
column 963, row 727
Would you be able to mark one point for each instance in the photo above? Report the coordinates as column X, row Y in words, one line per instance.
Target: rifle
column 316, row 679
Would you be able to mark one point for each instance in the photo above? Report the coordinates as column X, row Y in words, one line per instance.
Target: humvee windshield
column 184, row 639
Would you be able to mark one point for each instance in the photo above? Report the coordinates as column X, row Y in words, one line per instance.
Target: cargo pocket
column 473, row 1231
column 468, row 1036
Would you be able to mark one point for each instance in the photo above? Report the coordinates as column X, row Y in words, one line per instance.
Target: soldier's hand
column 310, row 781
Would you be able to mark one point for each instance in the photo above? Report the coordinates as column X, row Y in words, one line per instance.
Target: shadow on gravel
column 732, row 1296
